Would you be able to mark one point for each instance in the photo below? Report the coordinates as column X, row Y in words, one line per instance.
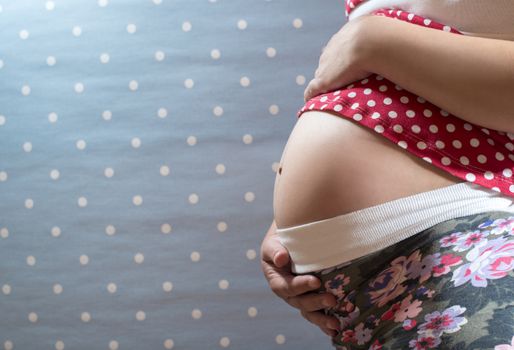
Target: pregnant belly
column 332, row 166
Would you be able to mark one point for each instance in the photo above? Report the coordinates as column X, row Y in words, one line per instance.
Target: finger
column 313, row 302
column 330, row 332
column 314, row 88
column 321, row 320
column 272, row 250
column 286, row 285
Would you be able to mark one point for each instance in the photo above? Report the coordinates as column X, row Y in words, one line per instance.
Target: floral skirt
column 448, row 287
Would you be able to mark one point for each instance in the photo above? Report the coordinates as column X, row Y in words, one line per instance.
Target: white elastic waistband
column 321, row 244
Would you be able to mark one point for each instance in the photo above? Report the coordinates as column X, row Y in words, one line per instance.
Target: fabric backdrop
column 139, row 141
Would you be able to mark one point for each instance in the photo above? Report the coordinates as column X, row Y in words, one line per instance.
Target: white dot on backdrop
column 162, row 112
column 271, row 52
column 275, row 166
column 51, row 61
column 113, row 345
column 77, row 31
column 249, row 196
column 195, row 256
column 82, row 202
column 107, row 115
column 187, row 26
column 159, row 55
column 50, row 5
column 29, row 203
column 280, row 339
column 1, row 64
column 57, row 288
column 168, row 344
column 136, row 142
column 133, row 85
column 191, row 140
column 242, row 24
column 131, row 28
column 247, row 139
column 157, row 2
column 83, row 259
column 167, row 286
column 224, row 342
column 104, row 58
column 223, row 284
column 137, row 200
column 110, row 230
column 3, row 176
column 103, row 3
column 300, row 80
column 197, row 314
column 244, row 81
column 32, row 317
column 52, row 117
column 27, row 147
column 54, row 174
column 55, row 231
column 251, row 254
column 24, row 34
column 2, row 120
column 139, row 258
column 165, row 228
column 217, row 111
column 59, row 345
column 273, row 109
column 297, row 23
column 4, row 232
column 25, row 90
column 252, row 311
column 111, row 288
column 85, row 317
column 109, row 172
column 221, row 226
column 8, row 345
column 215, row 54
column 164, row 170
column 193, row 198
column 79, row 88
column 140, row 315
column 189, row 83
column 220, row 169
column 6, row 289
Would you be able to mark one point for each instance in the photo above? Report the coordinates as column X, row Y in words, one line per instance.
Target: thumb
column 273, row 251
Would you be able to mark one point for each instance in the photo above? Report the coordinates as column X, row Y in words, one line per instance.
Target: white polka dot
column 191, row 140
column 439, row 144
column 157, row 2
column 470, row 177
column 481, row 159
column 446, row 161
column 252, row 311
column 220, row 169
column 27, row 147
column 447, row 28
column 421, row 145
column 490, row 141
column 474, row 142
column 168, row 344
column 379, row 128
column 415, row 128
column 271, row 52
column 3, row 176
column 511, row 188
column 109, row 172
column 167, row 286
column 136, row 142
column 428, row 160
column 113, row 345
column 195, row 256
column 164, row 170
column 444, row 113
column 387, row 101
column 25, row 90
column 33, row 317
column 51, row 61
column 104, row 58
column 223, row 284
column 85, row 317
column 351, row 94
column 375, row 115
column 50, row 5
column 507, row 172
column 398, row 128
column 251, row 254
column 242, row 24
column 280, row 339
column 4, row 232
column 54, row 174
column 140, row 315
column 297, row 23
column 197, row 314
column 509, row 146
column 52, row 117
column 193, row 198
column 427, row 113
column 82, row 202
column 217, row 111
column 367, row 91
column 2, row 120
column 464, row 160
column 131, row 28
column 186, row 26
column 165, row 228
column 450, row 127
column 364, row 81
column 139, row 258
column 426, row 21
column 499, row 156
column 382, row 88
column 112, row 288
column 244, row 81
column 137, row 200
column 103, row 3
column 273, row 109
column 420, row 99
column 221, row 226
column 249, row 196
column 402, row 144
column 79, row 88
column 433, row 128
column 392, row 114
column 357, row 117
column 468, row 127
column 247, row 139
column 489, row 175
column 224, row 342
column 398, row 87
column 215, row 54
column 77, row 31
column 457, row 144
column 57, row 289
column 370, row 103
column 24, row 34
column 338, row 108
column 404, row 99
column 1, row 61
column 300, row 80
column 55, row 231
column 29, row 203
column 133, row 85
column 410, row 113
column 84, row 260
column 8, row 345
column 107, row 115
column 6, row 289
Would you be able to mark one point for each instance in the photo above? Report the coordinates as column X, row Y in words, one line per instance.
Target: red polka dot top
column 471, row 152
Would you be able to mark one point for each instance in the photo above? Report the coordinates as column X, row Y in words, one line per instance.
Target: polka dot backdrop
column 139, row 142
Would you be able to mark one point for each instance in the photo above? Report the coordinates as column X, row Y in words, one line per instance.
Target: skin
column 397, row 54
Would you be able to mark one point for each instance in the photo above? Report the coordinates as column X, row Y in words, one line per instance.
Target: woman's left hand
column 343, row 59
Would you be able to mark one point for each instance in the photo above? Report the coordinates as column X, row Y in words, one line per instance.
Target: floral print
column 425, row 292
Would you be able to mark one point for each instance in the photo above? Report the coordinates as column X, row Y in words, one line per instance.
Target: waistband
column 325, row 243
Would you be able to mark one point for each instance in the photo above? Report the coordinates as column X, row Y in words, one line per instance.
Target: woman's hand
column 294, row 289
column 342, row 60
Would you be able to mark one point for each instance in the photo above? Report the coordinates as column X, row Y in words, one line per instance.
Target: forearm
column 470, row 77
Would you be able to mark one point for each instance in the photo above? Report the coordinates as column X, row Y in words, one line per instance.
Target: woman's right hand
column 294, row 290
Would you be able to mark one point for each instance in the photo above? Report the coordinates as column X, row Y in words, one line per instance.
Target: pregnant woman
column 394, row 195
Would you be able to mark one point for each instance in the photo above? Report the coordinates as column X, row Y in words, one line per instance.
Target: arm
column 470, row 77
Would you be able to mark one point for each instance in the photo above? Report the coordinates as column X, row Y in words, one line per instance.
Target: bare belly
column 332, row 166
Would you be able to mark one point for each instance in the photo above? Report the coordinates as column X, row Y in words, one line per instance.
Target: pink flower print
column 502, row 226
column 376, row 345
column 492, row 259
column 505, row 346
column 407, row 309
column 409, row 324
column 347, row 318
column 348, row 336
column 450, row 240
column 424, row 342
column 423, row 268
column 447, row 322
column 442, row 266
column 337, row 284
column 469, row 240
column 362, row 334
